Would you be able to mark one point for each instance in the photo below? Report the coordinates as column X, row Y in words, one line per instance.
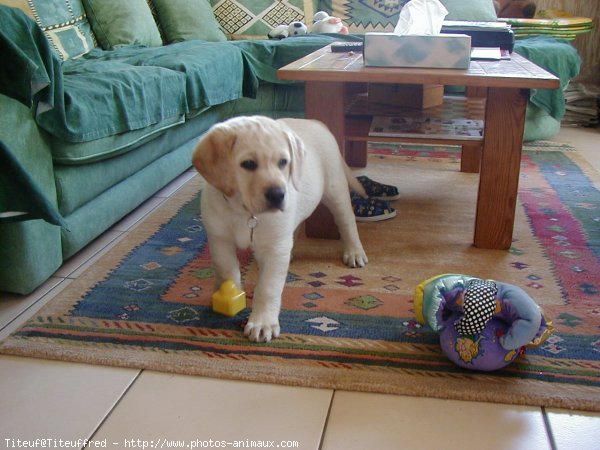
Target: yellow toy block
column 228, row 300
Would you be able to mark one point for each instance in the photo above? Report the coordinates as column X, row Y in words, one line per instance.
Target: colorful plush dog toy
column 483, row 324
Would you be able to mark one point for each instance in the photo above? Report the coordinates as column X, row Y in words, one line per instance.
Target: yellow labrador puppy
column 265, row 177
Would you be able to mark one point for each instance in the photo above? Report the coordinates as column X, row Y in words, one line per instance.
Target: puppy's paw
column 262, row 328
column 355, row 257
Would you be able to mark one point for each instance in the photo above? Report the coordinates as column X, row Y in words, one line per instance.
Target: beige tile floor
column 129, row 408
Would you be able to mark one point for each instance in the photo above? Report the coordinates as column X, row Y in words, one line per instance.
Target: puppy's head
column 252, row 159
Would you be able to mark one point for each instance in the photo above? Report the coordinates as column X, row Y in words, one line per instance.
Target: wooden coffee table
column 333, row 79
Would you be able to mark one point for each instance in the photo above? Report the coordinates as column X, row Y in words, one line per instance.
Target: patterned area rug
column 146, row 304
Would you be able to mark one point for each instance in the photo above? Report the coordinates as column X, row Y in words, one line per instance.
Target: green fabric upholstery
column 26, row 172
column 473, row 10
column 31, row 71
column 29, row 254
column 558, row 57
column 117, row 22
column 70, row 99
column 182, row 20
column 20, row 193
column 62, row 21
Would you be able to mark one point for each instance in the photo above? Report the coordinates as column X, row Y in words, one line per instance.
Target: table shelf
column 360, row 113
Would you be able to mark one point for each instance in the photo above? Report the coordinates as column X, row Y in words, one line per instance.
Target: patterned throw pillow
column 363, row 16
column 253, row 19
column 382, row 15
column 64, row 23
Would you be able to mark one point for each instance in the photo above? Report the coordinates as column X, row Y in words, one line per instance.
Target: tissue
column 417, row 42
column 423, row 17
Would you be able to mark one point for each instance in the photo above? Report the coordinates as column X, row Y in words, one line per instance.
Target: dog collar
column 252, row 221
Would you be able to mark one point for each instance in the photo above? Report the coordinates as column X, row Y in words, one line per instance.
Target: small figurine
column 324, row 23
column 228, row 300
column 483, row 324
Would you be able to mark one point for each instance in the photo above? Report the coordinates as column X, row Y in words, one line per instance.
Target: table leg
column 356, row 154
column 470, row 158
column 325, row 101
column 500, row 166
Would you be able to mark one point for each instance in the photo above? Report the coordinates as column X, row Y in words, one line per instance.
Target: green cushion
column 183, row 20
column 117, row 22
column 476, row 10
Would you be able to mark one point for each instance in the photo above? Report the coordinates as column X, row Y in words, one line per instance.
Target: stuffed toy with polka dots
column 283, row 31
column 483, row 324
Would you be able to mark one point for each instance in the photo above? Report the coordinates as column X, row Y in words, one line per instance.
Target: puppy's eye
column 282, row 163
column 249, row 165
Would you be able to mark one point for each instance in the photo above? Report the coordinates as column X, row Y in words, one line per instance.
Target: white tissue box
column 441, row 51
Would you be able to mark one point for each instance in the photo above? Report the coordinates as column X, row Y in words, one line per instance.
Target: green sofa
column 84, row 141
column 96, row 114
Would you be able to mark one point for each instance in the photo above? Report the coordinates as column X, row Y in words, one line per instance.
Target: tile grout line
column 325, row 425
column 114, row 407
column 22, row 317
column 548, row 427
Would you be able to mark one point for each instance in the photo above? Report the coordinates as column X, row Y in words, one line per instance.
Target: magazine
column 431, row 127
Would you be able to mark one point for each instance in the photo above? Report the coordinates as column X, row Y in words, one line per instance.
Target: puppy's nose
column 275, row 196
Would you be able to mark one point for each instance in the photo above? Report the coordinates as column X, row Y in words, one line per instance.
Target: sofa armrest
column 26, row 172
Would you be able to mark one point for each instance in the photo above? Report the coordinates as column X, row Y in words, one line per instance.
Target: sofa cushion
column 106, row 97
column 78, row 153
column 365, row 16
column 253, row 19
column 78, row 185
column 117, row 22
column 63, row 22
column 182, row 20
column 474, row 10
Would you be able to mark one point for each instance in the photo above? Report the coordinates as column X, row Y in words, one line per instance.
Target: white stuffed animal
column 324, row 23
column 283, row 31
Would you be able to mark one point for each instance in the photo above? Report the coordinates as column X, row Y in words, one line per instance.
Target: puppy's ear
column 213, row 158
column 297, row 152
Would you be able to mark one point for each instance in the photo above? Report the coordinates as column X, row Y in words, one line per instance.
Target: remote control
column 340, row 47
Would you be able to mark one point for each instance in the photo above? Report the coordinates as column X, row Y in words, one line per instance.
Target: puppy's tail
column 353, row 183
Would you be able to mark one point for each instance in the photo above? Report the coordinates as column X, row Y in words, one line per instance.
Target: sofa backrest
column 252, row 19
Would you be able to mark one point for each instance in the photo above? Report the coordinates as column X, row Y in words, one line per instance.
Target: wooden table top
column 323, row 65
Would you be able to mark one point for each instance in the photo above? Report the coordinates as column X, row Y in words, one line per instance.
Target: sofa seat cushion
column 77, row 185
column 104, row 98
column 79, row 153
column 214, row 72
column 134, row 88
